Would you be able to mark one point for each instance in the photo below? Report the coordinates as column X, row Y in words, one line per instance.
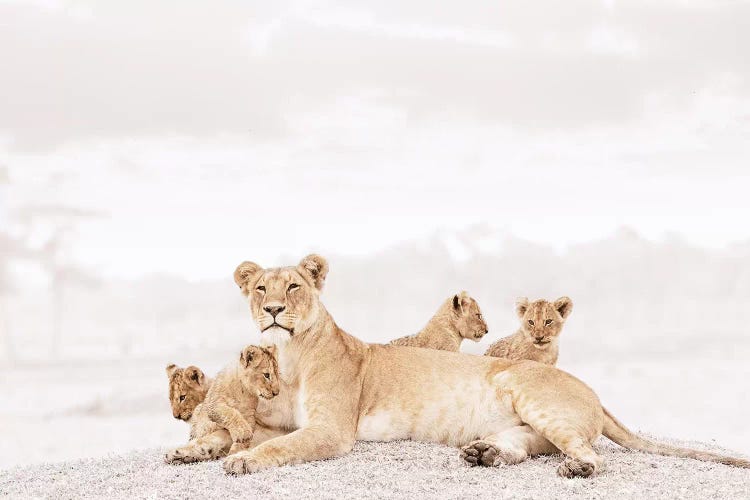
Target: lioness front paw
column 479, row 453
column 573, row 467
column 240, row 463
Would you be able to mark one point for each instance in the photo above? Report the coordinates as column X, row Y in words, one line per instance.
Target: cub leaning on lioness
column 458, row 318
column 498, row 411
column 225, row 421
column 537, row 337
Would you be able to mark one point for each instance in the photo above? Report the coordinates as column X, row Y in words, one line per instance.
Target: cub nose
column 539, row 337
column 273, row 310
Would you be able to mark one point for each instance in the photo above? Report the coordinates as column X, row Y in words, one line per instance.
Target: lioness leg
column 511, row 446
column 209, row 447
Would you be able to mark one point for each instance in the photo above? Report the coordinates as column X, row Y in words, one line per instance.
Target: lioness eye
column 267, row 375
column 182, row 398
column 261, row 288
column 531, row 322
column 547, row 322
column 293, row 286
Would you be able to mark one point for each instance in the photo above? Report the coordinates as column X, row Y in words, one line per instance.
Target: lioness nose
column 273, row 310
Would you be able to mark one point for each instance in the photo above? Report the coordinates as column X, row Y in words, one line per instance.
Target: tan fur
column 458, row 318
column 537, row 338
column 187, row 389
column 225, row 421
column 498, row 410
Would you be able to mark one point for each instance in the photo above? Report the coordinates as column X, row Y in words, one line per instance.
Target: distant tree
column 60, row 221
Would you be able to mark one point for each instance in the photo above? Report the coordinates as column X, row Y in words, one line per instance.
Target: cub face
column 285, row 300
column 542, row 321
column 469, row 320
column 187, row 389
column 259, row 370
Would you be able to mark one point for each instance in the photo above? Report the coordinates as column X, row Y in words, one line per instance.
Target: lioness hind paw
column 573, row 467
column 479, row 453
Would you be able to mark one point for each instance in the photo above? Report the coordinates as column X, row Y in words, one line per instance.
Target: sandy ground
column 384, row 470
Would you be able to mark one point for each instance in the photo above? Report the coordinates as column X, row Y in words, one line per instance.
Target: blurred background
column 597, row 149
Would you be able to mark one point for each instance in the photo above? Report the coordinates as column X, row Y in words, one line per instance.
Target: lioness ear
column 564, row 306
column 171, row 368
column 316, row 267
column 195, row 375
column 522, row 305
column 244, row 273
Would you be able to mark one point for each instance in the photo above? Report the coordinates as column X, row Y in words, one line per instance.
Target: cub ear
column 522, row 305
column 195, row 375
column 461, row 300
column 315, row 267
column 564, row 306
column 248, row 354
column 271, row 350
column 171, row 368
column 244, row 273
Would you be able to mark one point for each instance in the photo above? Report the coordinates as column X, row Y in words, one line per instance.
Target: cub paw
column 178, row 457
column 480, row 453
column 573, row 467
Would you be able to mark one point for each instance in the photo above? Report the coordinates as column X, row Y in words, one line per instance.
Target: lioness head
column 260, row 372
column 284, row 300
column 187, row 389
column 468, row 317
column 542, row 321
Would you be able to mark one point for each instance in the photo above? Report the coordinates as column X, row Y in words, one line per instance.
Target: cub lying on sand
column 537, row 338
column 458, row 318
column 225, row 421
column 499, row 411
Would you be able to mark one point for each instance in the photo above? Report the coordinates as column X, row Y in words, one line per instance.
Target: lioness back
column 537, row 338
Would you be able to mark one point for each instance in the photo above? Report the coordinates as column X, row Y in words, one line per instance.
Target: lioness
column 458, row 318
column 224, row 422
column 537, row 337
column 499, row 411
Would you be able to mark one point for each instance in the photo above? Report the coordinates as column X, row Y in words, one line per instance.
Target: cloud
column 141, row 69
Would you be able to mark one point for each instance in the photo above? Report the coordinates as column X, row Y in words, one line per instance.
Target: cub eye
column 182, row 398
column 547, row 322
column 267, row 375
column 293, row 286
column 261, row 288
column 531, row 323
column 479, row 316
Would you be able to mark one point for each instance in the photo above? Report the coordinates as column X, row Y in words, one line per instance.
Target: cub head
column 187, row 389
column 542, row 321
column 260, row 373
column 283, row 301
column 468, row 317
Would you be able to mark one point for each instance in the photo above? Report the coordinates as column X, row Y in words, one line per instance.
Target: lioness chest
column 432, row 396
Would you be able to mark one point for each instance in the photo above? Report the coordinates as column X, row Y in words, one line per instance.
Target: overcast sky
column 204, row 135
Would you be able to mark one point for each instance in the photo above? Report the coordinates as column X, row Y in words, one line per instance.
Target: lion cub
column 227, row 415
column 537, row 338
column 458, row 318
column 187, row 389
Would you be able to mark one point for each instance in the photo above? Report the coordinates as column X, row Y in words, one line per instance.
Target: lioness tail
column 620, row 434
